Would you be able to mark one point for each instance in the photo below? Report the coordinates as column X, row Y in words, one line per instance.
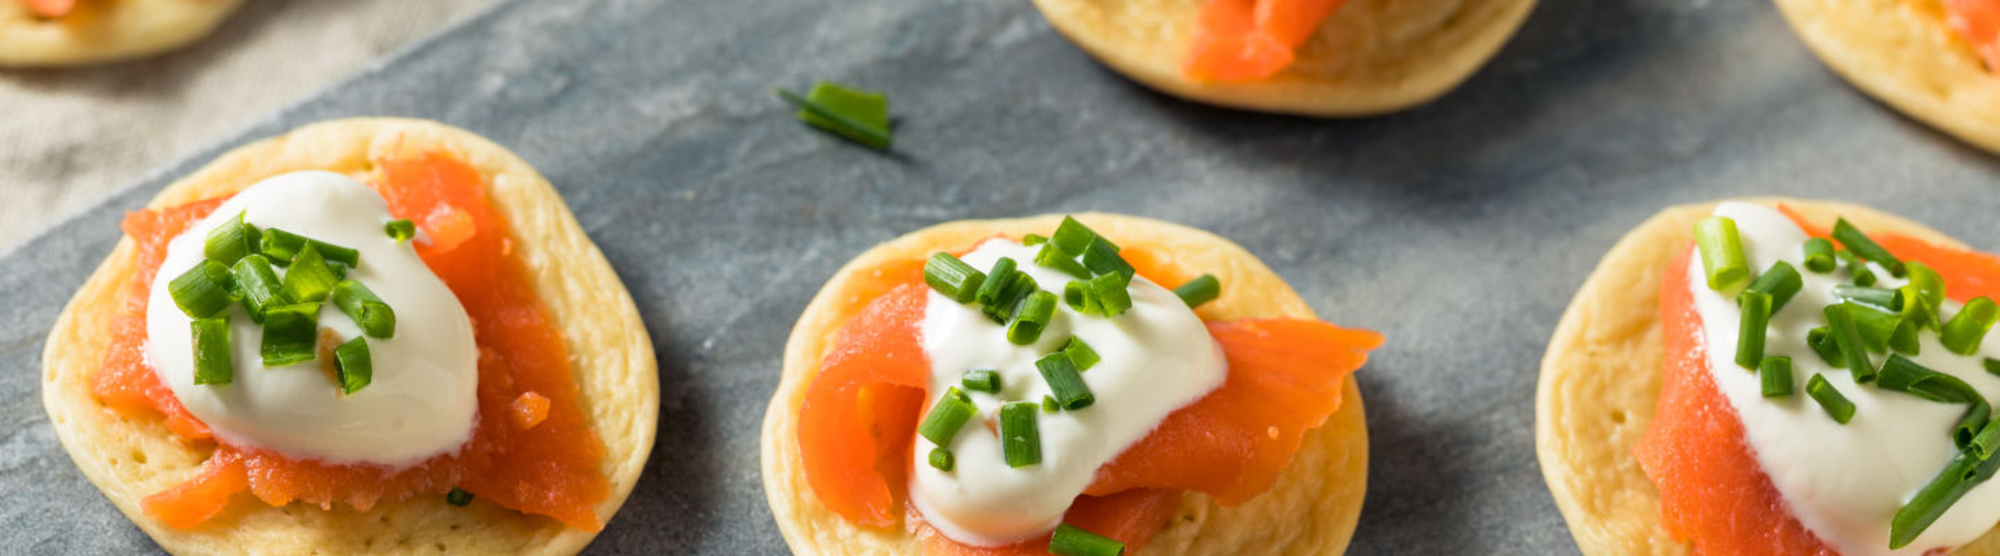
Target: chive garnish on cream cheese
column 1070, row 540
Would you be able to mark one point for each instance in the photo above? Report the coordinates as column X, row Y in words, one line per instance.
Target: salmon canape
column 366, row 335
column 1331, row 58
column 1777, row 377
column 46, row 33
column 1096, row 384
column 1935, row 60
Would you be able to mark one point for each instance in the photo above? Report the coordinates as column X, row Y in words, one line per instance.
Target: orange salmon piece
column 1247, row 40
column 125, row 382
column 1132, row 517
column 860, row 413
column 1978, row 22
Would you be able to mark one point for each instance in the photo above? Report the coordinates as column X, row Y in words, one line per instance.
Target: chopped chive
column 1821, row 341
column 1752, row 327
column 202, row 291
column 1847, row 336
column 981, row 380
column 1021, row 439
column 1928, row 282
column 1200, row 290
column 369, row 312
column 1101, row 257
column 1054, row 258
column 1866, row 248
column 400, row 230
column 1819, row 255
column 1971, row 423
column 231, row 241
column 997, row 281
column 1781, row 281
column 1862, row 276
column 1032, row 240
column 1032, row 318
column 833, row 120
column 309, row 278
column 1111, row 293
column 259, row 285
column 1721, row 251
column 212, row 363
column 283, row 247
column 1900, row 374
column 952, row 277
column 1065, row 382
column 1019, row 287
column 1049, row 404
column 1967, row 329
column 1072, row 237
column 1880, row 298
column 1904, row 339
column 1877, row 327
column 1987, row 442
column 458, row 497
column 1080, row 353
column 948, row 415
column 1070, row 540
column 1958, row 477
column 291, row 333
column 1993, row 366
column 1916, row 309
column 1830, row 399
column 353, row 365
column 1077, row 295
column 941, row 459
column 1776, row 376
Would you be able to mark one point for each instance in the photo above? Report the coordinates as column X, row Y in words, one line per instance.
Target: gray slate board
column 1459, row 229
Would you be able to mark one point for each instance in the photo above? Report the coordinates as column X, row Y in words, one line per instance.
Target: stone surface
column 1459, row 229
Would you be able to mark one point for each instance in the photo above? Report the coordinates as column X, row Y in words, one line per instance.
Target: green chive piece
column 1200, row 290
column 1781, row 281
column 1072, row 237
column 1916, row 309
column 1776, row 376
column 291, row 334
column 1847, row 336
column 1866, row 248
column 1819, row 255
column 1032, row 240
column 1880, row 298
column 1971, row 424
column 1070, row 540
column 283, row 247
column 1721, row 252
column 1958, row 477
column 1993, row 366
column 458, row 497
column 231, row 241
column 309, row 279
column 1987, row 442
column 1904, row 339
column 862, row 117
column 1821, row 341
column 352, row 364
column 1877, row 327
column 1830, row 399
column 981, row 380
column 375, row 317
column 1967, row 329
column 1110, row 292
column 1020, row 435
column 212, row 364
column 948, row 415
column 1052, row 257
column 952, row 277
column 1080, row 354
column 1032, row 318
column 1019, row 288
column 259, row 285
column 400, row 230
column 997, row 281
column 1101, row 257
column 1049, row 404
column 1065, row 382
column 1900, row 374
column 202, row 291
column 1862, row 276
column 1752, row 327
column 941, row 459
column 1927, row 281
column 1076, row 294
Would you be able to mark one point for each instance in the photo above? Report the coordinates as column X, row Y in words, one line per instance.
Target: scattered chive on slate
column 1033, row 317
column 259, row 286
column 941, row 459
column 1080, row 353
column 1781, row 282
column 952, row 277
column 231, row 241
column 204, row 290
column 1065, row 382
column 310, row 279
column 1721, row 252
column 1020, row 434
column 859, row 116
column 458, row 497
column 291, row 334
column 1070, row 540
column 1775, row 375
column 212, row 364
column 1967, row 329
column 375, row 317
column 1819, row 255
column 353, row 365
column 1957, row 478
column 1829, row 399
column 1855, row 268
column 948, row 415
column 283, row 247
column 1752, row 327
column 1866, row 248
column 1200, row 290
column 981, row 380
column 400, row 230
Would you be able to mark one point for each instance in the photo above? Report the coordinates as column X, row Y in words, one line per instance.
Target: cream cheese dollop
column 1844, row 482
column 422, row 401
column 1156, row 358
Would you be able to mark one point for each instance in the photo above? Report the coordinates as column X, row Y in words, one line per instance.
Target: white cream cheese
column 1157, row 358
column 422, row 400
column 1843, row 482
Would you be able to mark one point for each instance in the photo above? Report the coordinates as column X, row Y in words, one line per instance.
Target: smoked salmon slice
column 1247, row 40
column 548, row 469
column 1978, row 22
column 859, row 418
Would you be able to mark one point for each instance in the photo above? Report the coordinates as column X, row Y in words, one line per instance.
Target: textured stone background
column 1459, row 229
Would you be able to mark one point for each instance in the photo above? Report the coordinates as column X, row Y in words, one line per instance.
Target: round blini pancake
column 1903, row 53
column 611, row 357
column 1312, row 509
column 104, row 30
column 1370, row 57
column 1601, row 378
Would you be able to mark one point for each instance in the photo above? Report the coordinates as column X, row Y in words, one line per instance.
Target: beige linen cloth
column 71, row 137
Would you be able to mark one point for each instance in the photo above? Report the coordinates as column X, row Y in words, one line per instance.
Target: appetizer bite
column 1032, row 386
column 392, row 335
column 1307, row 57
column 1775, row 377
column 76, row 32
column 1936, row 60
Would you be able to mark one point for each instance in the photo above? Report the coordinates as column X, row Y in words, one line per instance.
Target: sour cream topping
column 1843, row 482
column 1157, row 357
column 422, row 400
